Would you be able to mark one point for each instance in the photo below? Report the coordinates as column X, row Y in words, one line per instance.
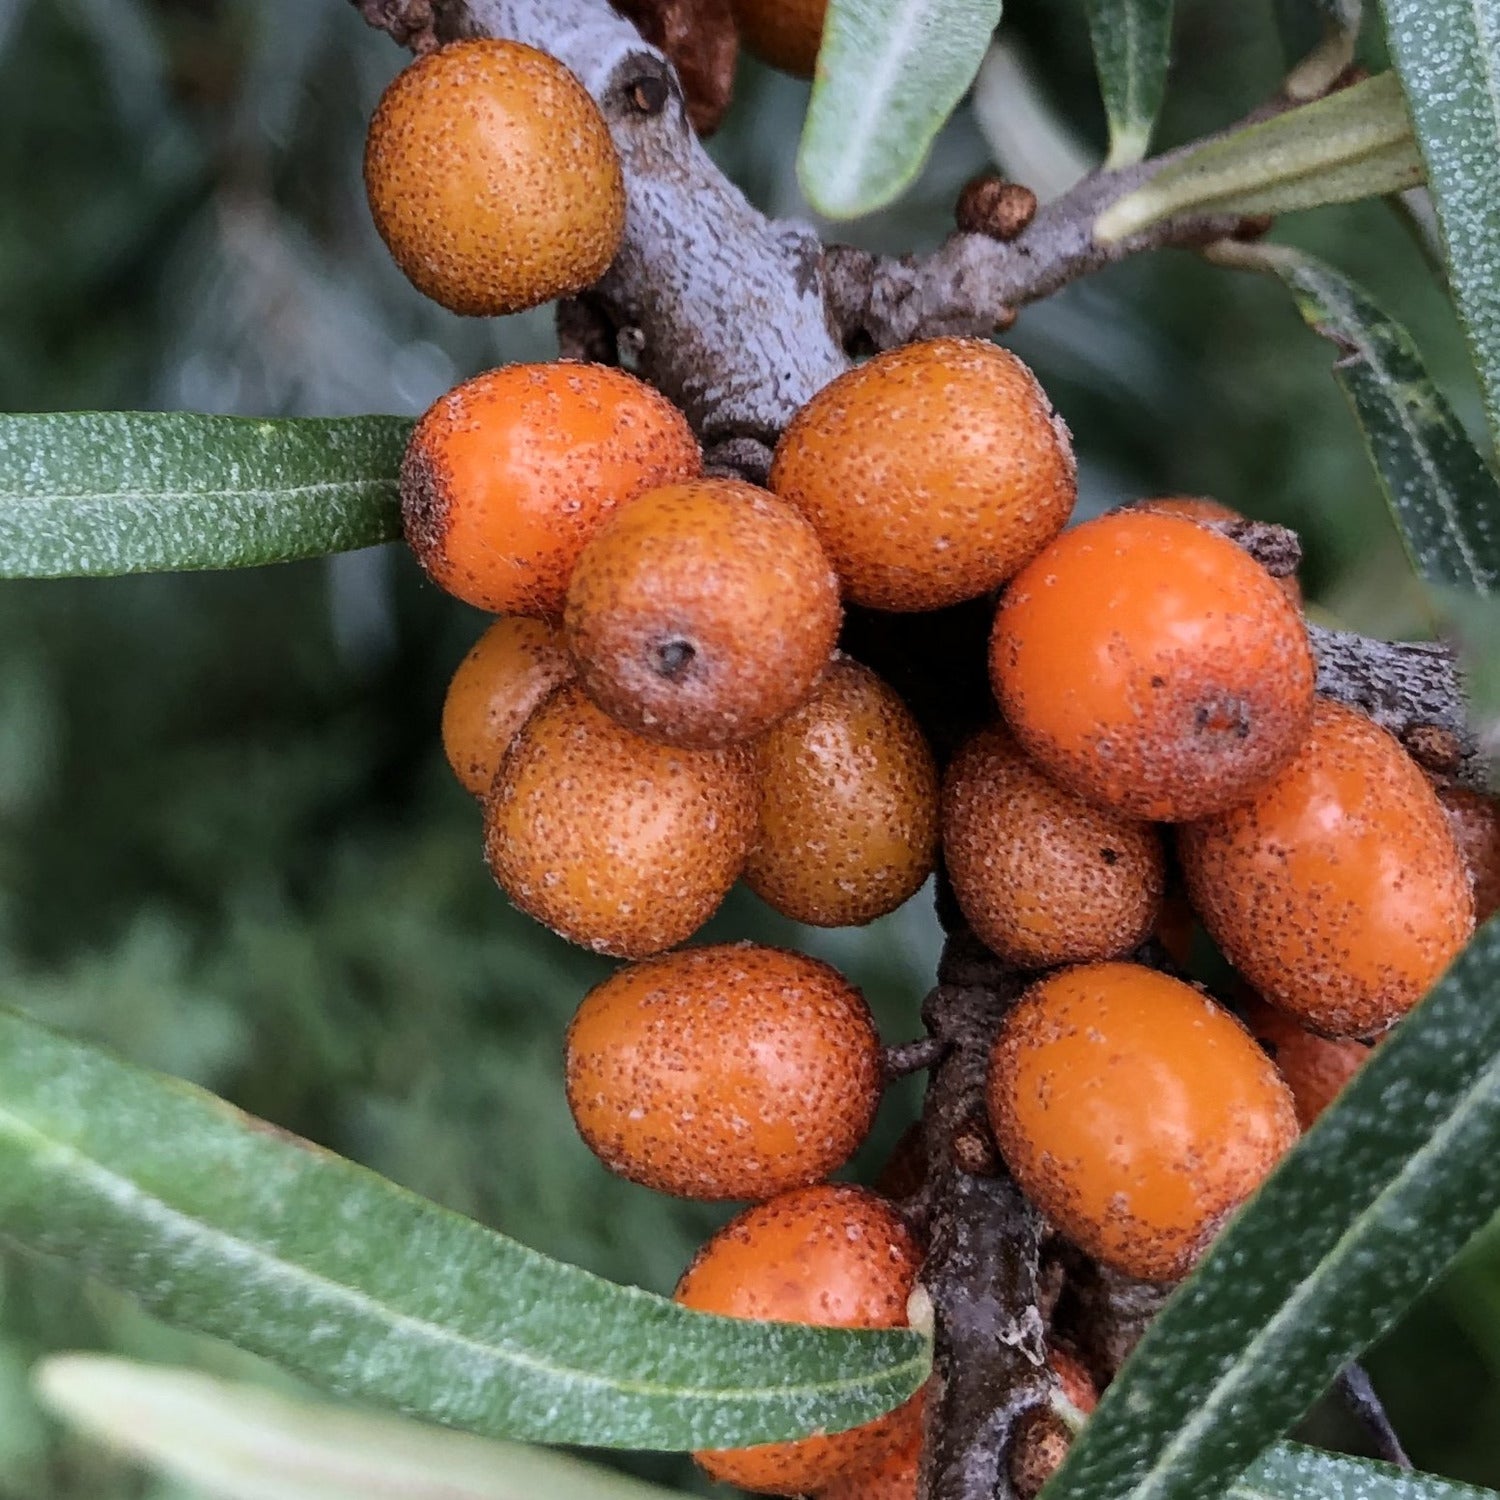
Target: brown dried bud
column 701, row 42
column 974, row 1149
column 1434, row 748
column 1037, row 1449
column 989, row 205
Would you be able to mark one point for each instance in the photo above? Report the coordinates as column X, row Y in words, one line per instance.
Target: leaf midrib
column 233, row 491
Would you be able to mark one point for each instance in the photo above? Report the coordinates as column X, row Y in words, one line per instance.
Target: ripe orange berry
column 732, row 1071
column 508, row 476
column 932, row 473
column 702, row 613
column 618, row 844
column 784, row 33
column 848, row 811
column 893, row 1477
column 831, row 1255
column 1338, row 891
column 1475, row 821
column 512, row 667
column 1135, row 1113
column 493, row 179
column 1316, row 1068
column 1044, row 877
column 1152, row 666
column 1200, row 508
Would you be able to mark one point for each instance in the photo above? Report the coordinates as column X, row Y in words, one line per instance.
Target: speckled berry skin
column 511, row 668
column 1316, row 1068
column 832, row 1255
column 849, row 797
column 784, row 33
column 507, row 477
column 1044, row 877
column 732, row 1071
column 1204, row 510
column 1135, row 1113
column 931, row 473
column 1475, row 821
column 700, row 614
column 492, row 178
column 616, row 843
column 1338, row 891
column 1152, row 666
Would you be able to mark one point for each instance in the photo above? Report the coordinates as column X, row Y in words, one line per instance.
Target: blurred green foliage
column 229, row 846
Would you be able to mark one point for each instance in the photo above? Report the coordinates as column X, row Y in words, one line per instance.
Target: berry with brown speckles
column 511, row 668
column 1153, row 667
column 784, row 33
column 1201, row 509
column 1475, row 820
column 615, row 842
column 732, row 1071
column 848, row 812
column 1044, row 877
column 1338, row 891
column 493, row 179
column 507, row 477
column 830, row 1255
column 932, row 473
column 1316, row 1068
column 702, row 613
column 1076, row 1089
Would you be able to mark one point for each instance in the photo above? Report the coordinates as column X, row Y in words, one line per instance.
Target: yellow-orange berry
column 1201, row 509
column 511, row 668
column 1338, row 891
column 1316, row 1068
column 1044, row 877
column 702, row 613
column 784, row 33
column 1152, row 666
column 615, row 842
column 1135, row 1112
column 1475, row 821
column 493, row 179
column 507, row 477
column 932, row 473
column 848, row 812
column 732, row 1071
column 831, row 1255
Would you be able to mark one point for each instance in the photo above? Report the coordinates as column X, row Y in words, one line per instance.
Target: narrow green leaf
column 1358, row 1219
column 221, row 1223
column 890, row 72
column 1448, row 55
column 102, row 493
column 240, row 1442
column 1132, row 47
column 1442, row 495
column 1356, row 143
column 1289, row 1471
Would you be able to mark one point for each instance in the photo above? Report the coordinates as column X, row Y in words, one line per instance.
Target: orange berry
column 1338, row 892
column 784, row 33
column 493, row 179
column 1152, row 666
column 831, row 1255
column 1475, row 821
column 511, row 668
column 1316, row 1068
column 507, row 477
column 702, row 613
column 733, row 1071
column 616, row 843
column 932, row 473
column 1073, row 1379
column 848, row 811
column 1200, row 508
column 1135, row 1113
column 1044, row 877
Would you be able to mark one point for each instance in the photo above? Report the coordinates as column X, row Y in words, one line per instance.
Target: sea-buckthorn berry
column 1475, row 821
column 511, row 668
column 1042, row 876
column 1338, row 890
column 700, row 614
column 732, row 1071
column 1204, row 510
column 831, row 1255
column 784, row 33
column 493, row 179
column 507, row 477
column 1152, row 666
column 1316, row 1068
column 848, row 811
column 1135, row 1113
column 614, row 842
column 932, row 473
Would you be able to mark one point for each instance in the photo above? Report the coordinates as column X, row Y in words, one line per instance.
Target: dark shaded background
column 229, row 845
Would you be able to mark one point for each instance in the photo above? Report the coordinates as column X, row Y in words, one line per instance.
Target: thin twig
column 1359, row 1396
column 904, row 1058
